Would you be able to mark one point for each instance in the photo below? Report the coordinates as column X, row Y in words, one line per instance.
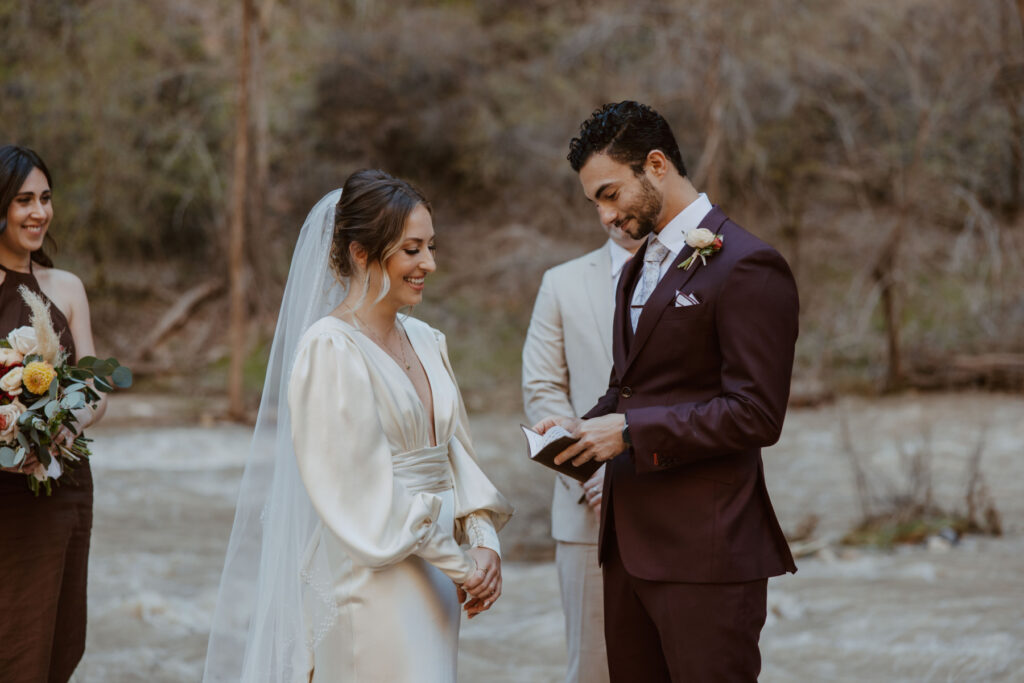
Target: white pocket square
column 686, row 299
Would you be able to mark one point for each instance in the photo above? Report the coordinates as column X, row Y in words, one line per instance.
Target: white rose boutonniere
column 700, row 238
column 704, row 243
column 11, row 382
column 23, row 340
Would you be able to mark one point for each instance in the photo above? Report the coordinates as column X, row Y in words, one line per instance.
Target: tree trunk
column 885, row 275
column 262, row 300
column 236, row 235
column 707, row 175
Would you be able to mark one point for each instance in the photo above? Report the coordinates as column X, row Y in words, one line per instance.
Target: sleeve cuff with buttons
column 480, row 531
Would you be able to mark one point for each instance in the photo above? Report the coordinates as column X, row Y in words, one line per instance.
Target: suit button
column 625, row 392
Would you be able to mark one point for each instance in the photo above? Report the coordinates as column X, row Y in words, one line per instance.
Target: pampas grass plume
column 48, row 343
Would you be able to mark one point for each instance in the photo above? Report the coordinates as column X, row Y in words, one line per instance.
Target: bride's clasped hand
column 483, row 587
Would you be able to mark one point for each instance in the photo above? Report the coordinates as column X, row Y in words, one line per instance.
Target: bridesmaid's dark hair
column 372, row 211
column 15, row 165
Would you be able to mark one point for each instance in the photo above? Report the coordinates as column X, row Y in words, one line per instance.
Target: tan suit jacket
column 567, row 359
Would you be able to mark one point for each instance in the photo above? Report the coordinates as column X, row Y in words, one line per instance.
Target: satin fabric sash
column 424, row 470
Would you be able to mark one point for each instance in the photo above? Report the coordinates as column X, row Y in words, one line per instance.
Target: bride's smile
column 409, row 266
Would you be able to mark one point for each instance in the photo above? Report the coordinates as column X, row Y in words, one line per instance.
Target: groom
column 700, row 382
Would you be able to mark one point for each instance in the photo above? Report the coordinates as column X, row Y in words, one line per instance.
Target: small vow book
column 543, row 448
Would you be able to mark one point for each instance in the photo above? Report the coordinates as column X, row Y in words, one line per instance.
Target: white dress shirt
column 673, row 235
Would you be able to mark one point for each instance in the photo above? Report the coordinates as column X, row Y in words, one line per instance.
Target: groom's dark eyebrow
column 601, row 190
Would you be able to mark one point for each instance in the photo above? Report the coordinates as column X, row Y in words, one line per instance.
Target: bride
column 348, row 559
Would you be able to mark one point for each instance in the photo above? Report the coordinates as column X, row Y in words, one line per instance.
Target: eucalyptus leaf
column 51, row 408
column 7, row 456
column 4, row 344
column 19, row 455
column 31, row 358
column 122, row 377
column 103, row 385
column 102, row 368
column 25, row 418
column 87, row 362
column 113, row 362
column 52, row 391
column 43, row 455
column 40, row 403
column 79, row 374
column 23, row 440
column 73, row 401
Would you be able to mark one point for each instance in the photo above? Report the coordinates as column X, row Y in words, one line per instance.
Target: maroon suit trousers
column 666, row 631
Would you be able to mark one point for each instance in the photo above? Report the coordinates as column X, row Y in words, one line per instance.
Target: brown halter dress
column 44, row 545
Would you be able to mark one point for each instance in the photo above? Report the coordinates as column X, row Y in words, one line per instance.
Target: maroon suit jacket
column 704, row 388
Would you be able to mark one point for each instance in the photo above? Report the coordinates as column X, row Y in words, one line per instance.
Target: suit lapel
column 622, row 333
column 664, row 294
column 601, row 294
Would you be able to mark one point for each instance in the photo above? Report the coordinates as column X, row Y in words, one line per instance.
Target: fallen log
column 178, row 314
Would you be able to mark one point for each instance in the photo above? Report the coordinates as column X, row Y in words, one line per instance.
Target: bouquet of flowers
column 42, row 394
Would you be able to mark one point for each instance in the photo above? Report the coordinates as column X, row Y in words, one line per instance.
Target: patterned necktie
column 653, row 257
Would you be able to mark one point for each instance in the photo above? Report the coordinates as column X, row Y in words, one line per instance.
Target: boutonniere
column 704, row 243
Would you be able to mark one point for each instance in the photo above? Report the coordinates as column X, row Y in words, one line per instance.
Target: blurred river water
column 165, row 494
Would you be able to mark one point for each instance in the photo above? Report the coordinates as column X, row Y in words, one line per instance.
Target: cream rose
column 11, row 382
column 9, row 415
column 23, row 340
column 10, row 357
column 700, row 238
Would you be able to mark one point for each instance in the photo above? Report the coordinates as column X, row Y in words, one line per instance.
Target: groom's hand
column 600, row 439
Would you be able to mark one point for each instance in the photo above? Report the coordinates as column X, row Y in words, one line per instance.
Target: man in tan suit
column 567, row 358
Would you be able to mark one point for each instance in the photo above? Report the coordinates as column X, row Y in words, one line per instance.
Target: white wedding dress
column 395, row 513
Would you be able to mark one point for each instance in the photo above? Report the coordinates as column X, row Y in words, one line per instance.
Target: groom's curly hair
column 627, row 132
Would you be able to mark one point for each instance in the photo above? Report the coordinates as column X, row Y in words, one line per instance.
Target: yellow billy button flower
column 37, row 376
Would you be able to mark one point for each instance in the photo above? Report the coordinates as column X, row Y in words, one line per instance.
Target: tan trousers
column 579, row 578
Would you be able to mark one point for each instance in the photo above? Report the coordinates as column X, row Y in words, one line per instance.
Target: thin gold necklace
column 384, row 345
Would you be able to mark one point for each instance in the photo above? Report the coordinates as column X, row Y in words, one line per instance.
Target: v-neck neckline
column 432, row 412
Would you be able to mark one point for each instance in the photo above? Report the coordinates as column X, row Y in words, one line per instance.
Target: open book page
column 538, row 442
column 544, row 448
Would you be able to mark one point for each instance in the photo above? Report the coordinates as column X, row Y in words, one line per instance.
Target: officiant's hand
column 569, row 424
column 600, row 439
column 593, row 489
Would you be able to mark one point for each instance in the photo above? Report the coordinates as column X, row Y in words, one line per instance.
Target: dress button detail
column 625, row 392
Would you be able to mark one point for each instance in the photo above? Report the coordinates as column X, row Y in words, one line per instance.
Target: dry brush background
column 877, row 143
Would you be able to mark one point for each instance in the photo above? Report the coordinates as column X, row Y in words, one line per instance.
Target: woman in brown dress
column 44, row 540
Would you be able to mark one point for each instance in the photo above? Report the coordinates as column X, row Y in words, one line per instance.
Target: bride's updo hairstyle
column 372, row 212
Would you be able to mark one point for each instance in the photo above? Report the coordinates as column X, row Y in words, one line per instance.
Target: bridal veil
column 261, row 630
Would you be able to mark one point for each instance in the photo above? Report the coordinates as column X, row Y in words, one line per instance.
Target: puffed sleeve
column 345, row 463
column 480, row 509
